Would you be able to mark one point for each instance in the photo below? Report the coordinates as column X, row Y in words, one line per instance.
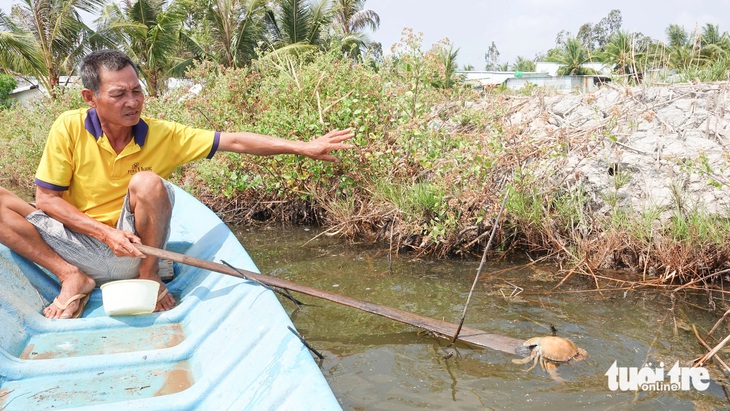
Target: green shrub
column 23, row 132
column 7, row 84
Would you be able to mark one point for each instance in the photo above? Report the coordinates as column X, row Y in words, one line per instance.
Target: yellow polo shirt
column 79, row 160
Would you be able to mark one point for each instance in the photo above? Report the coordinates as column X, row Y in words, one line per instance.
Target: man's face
column 120, row 100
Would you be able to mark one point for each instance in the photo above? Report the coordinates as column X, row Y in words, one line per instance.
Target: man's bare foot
column 165, row 300
column 73, row 283
column 149, row 270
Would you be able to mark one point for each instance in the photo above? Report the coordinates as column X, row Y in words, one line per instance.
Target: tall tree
column 492, row 58
column 297, row 24
column 46, row 38
column 595, row 37
column 150, row 32
column 571, row 58
column 560, row 39
column 621, row 54
column 236, row 30
column 606, row 28
column 350, row 18
column 586, row 35
column 523, row 64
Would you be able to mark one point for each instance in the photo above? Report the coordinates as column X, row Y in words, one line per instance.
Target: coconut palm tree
column 446, row 55
column 714, row 44
column 350, row 18
column 523, row 64
column 571, row 58
column 699, row 55
column 236, row 30
column 711, row 34
column 151, row 33
column 677, row 35
column 46, row 38
column 296, row 25
column 622, row 55
column 680, row 49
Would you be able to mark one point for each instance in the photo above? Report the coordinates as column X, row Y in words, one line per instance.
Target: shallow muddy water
column 376, row 364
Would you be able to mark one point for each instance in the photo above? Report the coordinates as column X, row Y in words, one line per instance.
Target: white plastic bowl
column 129, row 297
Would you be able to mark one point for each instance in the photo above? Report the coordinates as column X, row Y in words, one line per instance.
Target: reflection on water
column 377, row 364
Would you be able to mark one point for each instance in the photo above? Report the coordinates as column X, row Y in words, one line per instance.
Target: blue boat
column 226, row 345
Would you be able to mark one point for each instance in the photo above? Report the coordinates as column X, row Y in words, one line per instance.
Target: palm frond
column 294, row 17
column 297, row 21
column 57, row 33
column 18, row 54
column 320, row 17
column 296, row 49
column 237, row 27
column 364, row 18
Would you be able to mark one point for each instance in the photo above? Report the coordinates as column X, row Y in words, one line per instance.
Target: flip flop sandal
column 162, row 294
column 82, row 298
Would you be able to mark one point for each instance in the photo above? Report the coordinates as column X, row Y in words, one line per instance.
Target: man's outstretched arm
column 262, row 145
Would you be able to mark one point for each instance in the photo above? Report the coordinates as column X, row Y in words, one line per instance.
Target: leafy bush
column 23, row 132
column 7, row 84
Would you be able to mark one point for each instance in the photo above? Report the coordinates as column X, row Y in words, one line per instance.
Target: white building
column 545, row 75
column 29, row 91
column 552, row 68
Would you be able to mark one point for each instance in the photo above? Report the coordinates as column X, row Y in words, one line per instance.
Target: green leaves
column 237, row 27
column 45, row 38
column 297, row 22
column 571, row 58
column 150, row 32
column 7, row 84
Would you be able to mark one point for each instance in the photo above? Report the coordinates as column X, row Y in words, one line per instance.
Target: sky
column 526, row 27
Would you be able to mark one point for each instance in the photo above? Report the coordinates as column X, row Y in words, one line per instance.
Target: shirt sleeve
column 192, row 143
column 56, row 166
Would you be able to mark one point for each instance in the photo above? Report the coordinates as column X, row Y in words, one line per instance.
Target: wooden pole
column 441, row 329
column 495, row 225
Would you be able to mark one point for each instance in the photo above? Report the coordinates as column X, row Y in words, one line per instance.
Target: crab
column 551, row 351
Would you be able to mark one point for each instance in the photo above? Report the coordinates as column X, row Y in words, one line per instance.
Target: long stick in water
column 441, row 328
column 481, row 266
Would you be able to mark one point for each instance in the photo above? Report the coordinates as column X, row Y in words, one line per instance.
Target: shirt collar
column 93, row 126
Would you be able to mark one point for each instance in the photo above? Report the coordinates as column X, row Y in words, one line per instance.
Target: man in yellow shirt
column 100, row 184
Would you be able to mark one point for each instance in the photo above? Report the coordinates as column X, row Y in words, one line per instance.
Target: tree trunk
column 53, row 82
column 152, row 80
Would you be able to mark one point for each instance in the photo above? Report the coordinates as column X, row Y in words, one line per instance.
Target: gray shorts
column 90, row 255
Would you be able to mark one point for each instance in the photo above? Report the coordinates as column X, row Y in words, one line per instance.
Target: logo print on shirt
column 136, row 168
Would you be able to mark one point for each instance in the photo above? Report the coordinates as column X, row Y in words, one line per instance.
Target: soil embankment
column 633, row 178
column 658, row 147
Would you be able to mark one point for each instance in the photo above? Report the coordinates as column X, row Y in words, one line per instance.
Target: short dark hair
column 91, row 66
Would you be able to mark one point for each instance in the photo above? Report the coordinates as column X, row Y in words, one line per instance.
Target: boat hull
column 226, row 345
